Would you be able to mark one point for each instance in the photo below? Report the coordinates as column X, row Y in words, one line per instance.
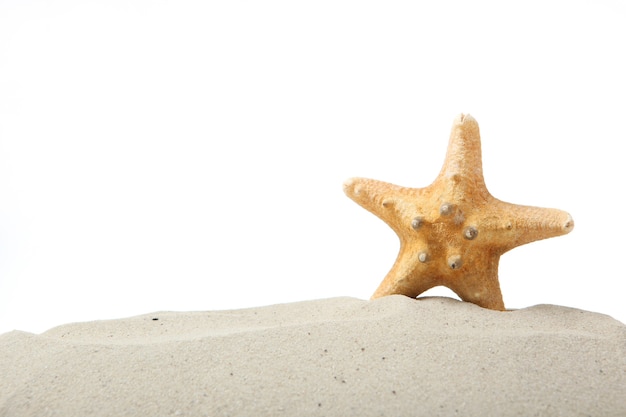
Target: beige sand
column 337, row 357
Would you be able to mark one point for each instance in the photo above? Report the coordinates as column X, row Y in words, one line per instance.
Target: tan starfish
column 453, row 232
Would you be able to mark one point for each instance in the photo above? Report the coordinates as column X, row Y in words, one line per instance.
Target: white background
column 189, row 155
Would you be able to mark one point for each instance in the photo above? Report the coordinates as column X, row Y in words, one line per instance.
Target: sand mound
column 337, row 357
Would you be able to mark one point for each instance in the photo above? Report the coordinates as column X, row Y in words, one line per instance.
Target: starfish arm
column 385, row 200
column 405, row 277
column 480, row 286
column 512, row 225
column 462, row 168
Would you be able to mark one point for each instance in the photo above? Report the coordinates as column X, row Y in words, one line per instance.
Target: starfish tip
column 357, row 189
column 349, row 186
column 464, row 119
column 568, row 226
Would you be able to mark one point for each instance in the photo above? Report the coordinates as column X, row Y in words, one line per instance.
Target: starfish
column 453, row 232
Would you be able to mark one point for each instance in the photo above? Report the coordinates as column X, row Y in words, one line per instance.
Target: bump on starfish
column 453, row 232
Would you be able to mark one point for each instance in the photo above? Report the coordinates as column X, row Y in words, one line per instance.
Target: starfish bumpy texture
column 453, row 232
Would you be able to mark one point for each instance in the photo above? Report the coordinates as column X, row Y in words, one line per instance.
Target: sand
column 335, row 357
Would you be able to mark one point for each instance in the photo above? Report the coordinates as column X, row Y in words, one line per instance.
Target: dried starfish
column 453, row 232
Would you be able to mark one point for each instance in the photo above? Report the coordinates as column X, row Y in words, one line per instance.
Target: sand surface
column 334, row 357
